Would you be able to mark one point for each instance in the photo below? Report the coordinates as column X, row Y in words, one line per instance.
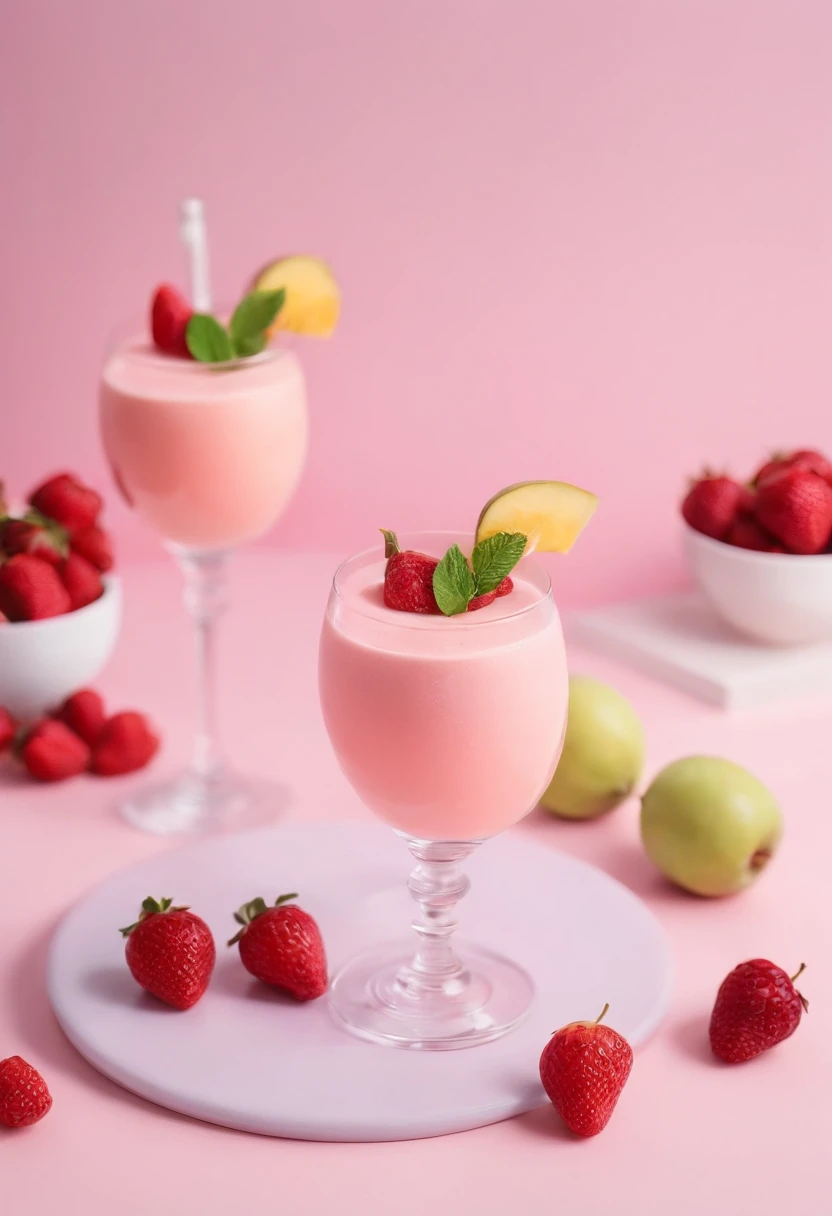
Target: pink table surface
column 689, row 1135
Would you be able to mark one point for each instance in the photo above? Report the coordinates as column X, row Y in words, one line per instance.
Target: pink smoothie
column 449, row 728
column 208, row 456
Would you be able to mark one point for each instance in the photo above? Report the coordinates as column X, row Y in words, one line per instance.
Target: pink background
column 577, row 239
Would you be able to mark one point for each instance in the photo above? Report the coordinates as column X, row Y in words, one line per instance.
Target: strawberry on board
column 584, row 1068
column 282, row 946
column 757, row 1006
column 170, row 952
column 24, row 1097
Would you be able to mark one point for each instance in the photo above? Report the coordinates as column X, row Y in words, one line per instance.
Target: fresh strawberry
column 82, row 581
column 796, row 507
column 31, row 589
column 84, row 714
column 803, row 458
column 482, row 601
column 22, row 536
column 712, row 504
column 125, row 743
column 282, row 946
column 506, row 586
column 757, row 1006
column 68, row 501
column 584, row 1068
column 746, row 533
column 408, row 582
column 8, row 729
column 93, row 544
column 24, row 1098
column 53, row 752
column 170, row 952
column 170, row 313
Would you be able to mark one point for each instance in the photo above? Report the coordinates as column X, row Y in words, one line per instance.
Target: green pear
column 710, row 825
column 603, row 752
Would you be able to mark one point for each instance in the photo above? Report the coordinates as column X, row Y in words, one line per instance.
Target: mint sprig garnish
column 210, row 342
column 455, row 584
column 494, row 559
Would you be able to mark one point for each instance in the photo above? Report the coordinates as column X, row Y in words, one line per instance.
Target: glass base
column 376, row 997
column 193, row 805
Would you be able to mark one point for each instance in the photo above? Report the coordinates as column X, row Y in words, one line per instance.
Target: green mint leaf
column 453, row 582
column 244, row 347
column 253, row 316
column 207, row 340
column 495, row 558
column 391, row 543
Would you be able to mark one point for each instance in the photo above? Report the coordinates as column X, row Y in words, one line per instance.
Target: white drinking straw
column 193, row 236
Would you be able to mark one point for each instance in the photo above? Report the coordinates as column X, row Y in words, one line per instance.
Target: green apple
column 603, row 752
column 710, row 825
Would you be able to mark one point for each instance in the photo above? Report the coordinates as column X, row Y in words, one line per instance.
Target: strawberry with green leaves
column 170, row 952
column 416, row 582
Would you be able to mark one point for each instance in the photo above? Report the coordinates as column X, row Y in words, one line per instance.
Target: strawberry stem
column 391, row 543
column 602, row 1014
column 799, row 971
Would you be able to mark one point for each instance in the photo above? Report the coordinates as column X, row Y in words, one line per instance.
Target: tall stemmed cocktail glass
column 208, row 455
column 449, row 729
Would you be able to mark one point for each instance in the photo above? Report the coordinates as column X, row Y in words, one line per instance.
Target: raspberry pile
column 786, row 507
column 52, row 556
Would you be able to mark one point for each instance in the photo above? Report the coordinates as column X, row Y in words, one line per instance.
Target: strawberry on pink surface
column 84, row 714
column 94, row 545
column 712, row 504
column 282, row 946
column 23, row 536
column 584, row 1068
column 170, row 952
column 170, row 313
column 52, row 752
column 31, row 589
column 24, row 1097
column 756, row 1008
column 68, row 501
column 82, row 581
column 795, row 506
column 8, row 729
column 125, row 743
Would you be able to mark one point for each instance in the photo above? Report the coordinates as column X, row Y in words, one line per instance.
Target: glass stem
column 206, row 596
column 437, row 883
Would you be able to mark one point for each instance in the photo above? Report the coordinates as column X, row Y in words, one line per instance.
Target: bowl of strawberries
column 761, row 551
column 60, row 603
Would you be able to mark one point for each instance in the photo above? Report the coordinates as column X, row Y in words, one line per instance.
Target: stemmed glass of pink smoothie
column 449, row 728
column 208, row 453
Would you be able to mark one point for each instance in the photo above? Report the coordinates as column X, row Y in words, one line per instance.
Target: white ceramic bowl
column 778, row 598
column 43, row 662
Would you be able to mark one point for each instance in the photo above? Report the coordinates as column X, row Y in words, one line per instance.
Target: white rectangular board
column 679, row 640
